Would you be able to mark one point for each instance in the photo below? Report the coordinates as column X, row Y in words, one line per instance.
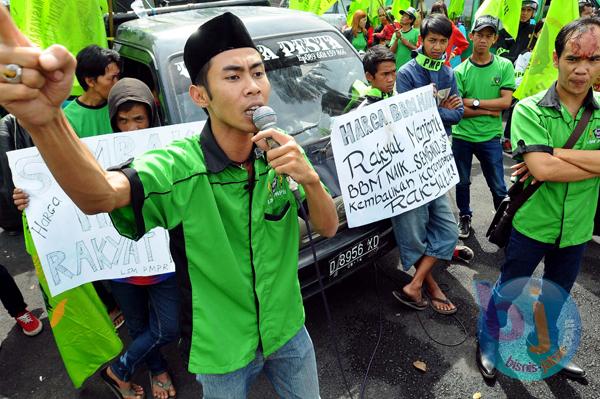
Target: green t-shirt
column 234, row 242
column 88, row 121
column 483, row 82
column 360, row 42
column 560, row 213
column 403, row 53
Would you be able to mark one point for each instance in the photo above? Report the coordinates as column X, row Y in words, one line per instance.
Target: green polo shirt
column 561, row 213
column 403, row 53
column 483, row 82
column 88, row 121
column 234, row 240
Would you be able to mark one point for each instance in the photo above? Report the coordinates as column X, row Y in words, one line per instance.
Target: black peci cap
column 222, row 33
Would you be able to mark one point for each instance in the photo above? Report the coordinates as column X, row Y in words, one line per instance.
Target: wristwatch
column 476, row 103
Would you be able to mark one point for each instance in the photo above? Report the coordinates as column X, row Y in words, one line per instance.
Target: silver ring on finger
column 12, row 73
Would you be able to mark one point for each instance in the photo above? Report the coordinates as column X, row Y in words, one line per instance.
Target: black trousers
column 11, row 297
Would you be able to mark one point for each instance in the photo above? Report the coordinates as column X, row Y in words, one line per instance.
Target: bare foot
column 162, row 386
column 125, row 385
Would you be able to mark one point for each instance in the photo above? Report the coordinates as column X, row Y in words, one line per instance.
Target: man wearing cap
column 486, row 83
column 405, row 38
column 509, row 47
column 232, row 218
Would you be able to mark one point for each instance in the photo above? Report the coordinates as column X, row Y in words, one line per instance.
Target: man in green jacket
column 232, row 218
column 557, row 220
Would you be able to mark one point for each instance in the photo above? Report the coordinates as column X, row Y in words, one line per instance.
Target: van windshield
column 311, row 80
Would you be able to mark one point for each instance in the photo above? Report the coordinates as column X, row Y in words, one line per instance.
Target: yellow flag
column 507, row 11
column 540, row 72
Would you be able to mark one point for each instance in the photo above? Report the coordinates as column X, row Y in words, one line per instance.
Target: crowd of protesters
column 404, row 52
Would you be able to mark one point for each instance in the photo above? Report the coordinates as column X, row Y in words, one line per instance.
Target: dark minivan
column 311, row 68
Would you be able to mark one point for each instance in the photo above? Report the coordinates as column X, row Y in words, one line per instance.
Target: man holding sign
column 233, row 221
column 428, row 233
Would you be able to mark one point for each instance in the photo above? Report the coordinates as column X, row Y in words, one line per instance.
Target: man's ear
column 91, row 82
column 471, row 36
column 369, row 77
column 555, row 59
column 199, row 95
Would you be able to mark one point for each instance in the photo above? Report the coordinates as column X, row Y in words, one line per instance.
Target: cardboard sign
column 75, row 248
column 392, row 156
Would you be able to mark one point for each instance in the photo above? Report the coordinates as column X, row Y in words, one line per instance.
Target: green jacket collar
column 215, row 158
column 551, row 100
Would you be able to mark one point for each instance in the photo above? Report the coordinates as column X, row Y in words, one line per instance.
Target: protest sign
column 75, row 248
column 392, row 156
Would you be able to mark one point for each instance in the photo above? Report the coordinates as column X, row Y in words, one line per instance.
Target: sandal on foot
column 118, row 320
column 445, row 302
column 408, row 301
column 166, row 386
column 118, row 391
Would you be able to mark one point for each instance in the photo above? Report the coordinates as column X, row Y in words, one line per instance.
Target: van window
column 311, row 78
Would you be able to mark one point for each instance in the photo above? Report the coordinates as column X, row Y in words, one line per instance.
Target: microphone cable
column 332, row 330
column 445, row 289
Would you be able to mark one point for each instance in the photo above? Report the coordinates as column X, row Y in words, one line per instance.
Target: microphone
column 264, row 118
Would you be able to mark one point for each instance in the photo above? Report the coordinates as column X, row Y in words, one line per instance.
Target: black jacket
column 12, row 137
column 514, row 46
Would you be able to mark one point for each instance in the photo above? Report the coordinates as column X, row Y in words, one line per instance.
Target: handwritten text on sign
column 392, row 156
column 75, row 248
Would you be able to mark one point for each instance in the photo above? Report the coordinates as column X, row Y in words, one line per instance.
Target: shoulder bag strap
column 532, row 188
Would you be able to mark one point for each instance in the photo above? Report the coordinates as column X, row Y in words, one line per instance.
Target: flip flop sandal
column 445, row 302
column 162, row 385
column 408, row 301
column 120, row 323
column 114, row 387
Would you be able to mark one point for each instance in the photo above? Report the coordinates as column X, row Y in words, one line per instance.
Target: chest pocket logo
column 277, row 199
column 496, row 81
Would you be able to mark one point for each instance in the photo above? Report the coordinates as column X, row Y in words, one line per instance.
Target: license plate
column 353, row 255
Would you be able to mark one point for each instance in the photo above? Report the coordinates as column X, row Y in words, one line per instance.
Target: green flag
column 456, row 8
column 315, row 6
column 507, row 11
column 73, row 23
column 540, row 72
column 398, row 5
column 83, row 331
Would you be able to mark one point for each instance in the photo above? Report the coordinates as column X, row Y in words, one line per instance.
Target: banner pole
column 111, row 24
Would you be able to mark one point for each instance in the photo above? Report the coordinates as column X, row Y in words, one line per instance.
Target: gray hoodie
column 130, row 89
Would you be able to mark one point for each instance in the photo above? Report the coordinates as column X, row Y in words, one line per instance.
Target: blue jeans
column 427, row 230
column 523, row 255
column 489, row 154
column 292, row 370
column 152, row 318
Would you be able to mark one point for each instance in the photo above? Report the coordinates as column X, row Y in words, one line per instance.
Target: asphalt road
column 361, row 305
